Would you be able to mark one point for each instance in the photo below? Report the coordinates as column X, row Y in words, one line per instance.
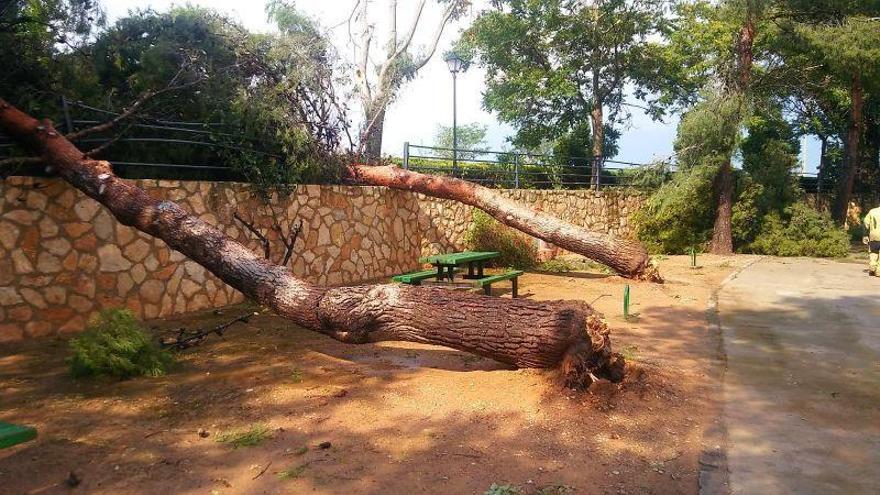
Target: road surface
column 802, row 387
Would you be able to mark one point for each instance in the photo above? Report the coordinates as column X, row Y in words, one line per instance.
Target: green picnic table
column 446, row 265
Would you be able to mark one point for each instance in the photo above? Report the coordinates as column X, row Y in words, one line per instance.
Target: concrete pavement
column 802, row 387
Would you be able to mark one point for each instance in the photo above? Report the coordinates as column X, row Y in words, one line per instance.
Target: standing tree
column 554, row 65
column 38, row 38
column 377, row 84
column 709, row 60
column 848, row 47
column 471, row 137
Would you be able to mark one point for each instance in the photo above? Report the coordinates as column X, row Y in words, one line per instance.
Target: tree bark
column 627, row 257
column 598, row 135
column 569, row 336
column 853, row 153
column 372, row 136
column 722, row 238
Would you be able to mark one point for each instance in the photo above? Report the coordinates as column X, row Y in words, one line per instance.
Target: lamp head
column 456, row 64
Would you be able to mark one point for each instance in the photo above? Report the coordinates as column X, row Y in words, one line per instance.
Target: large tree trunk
column 554, row 334
column 722, row 237
column 853, row 155
column 627, row 257
column 597, row 126
column 372, row 136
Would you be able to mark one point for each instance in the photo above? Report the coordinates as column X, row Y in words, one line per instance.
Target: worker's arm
column 866, row 229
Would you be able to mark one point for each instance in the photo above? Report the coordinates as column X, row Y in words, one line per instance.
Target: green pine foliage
column 678, row 215
column 116, row 344
column 517, row 250
column 801, row 231
column 245, row 437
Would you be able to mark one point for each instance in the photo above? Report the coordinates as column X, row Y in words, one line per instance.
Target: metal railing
column 519, row 170
column 508, row 169
column 201, row 144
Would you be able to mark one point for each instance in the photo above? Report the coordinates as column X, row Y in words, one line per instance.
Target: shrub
column 564, row 265
column 486, row 234
column 497, row 489
column 116, row 344
column 801, row 231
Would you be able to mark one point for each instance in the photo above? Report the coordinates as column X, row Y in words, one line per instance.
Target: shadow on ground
column 400, row 417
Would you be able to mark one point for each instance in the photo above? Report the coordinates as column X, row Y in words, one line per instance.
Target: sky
column 426, row 102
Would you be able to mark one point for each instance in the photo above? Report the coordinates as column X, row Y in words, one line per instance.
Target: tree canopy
column 557, row 66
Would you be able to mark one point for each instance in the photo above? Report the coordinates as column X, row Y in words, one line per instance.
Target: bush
column 116, row 344
column 801, row 231
column 497, row 489
column 564, row 265
column 517, row 250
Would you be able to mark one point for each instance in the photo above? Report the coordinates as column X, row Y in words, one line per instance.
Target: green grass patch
column 297, row 376
column 116, row 344
column 244, row 437
column 555, row 490
column 292, row 473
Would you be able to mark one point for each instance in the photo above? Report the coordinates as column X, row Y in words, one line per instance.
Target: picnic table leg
column 487, row 289
column 439, row 273
column 515, row 284
column 450, row 272
column 470, row 270
column 479, row 269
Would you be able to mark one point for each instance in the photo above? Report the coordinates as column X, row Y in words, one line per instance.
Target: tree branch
column 135, row 107
column 363, row 65
column 407, row 41
column 267, row 252
column 437, row 34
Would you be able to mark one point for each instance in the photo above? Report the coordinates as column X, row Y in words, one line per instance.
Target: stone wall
column 63, row 256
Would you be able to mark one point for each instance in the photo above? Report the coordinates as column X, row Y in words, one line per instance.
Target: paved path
column 802, row 389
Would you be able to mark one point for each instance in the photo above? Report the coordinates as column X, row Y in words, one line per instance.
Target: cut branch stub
column 625, row 256
column 548, row 334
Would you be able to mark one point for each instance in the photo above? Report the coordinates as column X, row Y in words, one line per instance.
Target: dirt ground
column 399, row 417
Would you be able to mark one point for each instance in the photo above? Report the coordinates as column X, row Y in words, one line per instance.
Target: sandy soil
column 400, row 418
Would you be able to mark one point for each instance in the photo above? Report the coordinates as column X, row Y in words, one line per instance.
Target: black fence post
column 406, row 155
column 515, row 171
column 68, row 124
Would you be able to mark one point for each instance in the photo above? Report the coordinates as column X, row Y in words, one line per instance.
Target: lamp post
column 456, row 65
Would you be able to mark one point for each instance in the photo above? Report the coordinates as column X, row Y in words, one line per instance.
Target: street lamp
column 456, row 64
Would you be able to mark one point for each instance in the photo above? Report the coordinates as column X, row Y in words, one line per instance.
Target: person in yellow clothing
column 872, row 239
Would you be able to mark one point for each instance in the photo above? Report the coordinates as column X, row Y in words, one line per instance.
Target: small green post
column 626, row 302
column 693, row 257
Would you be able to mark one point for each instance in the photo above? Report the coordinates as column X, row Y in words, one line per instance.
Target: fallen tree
column 627, row 257
column 568, row 336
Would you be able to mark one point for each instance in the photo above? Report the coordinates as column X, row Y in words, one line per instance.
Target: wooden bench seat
column 416, row 278
column 11, row 434
column 486, row 282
